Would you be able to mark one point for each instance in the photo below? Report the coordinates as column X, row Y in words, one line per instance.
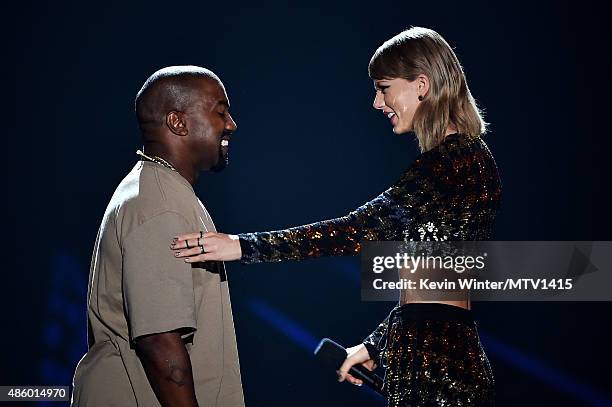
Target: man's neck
column 179, row 162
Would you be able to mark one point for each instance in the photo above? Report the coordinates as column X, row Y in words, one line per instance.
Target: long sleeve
column 449, row 193
column 334, row 237
column 374, row 340
column 384, row 218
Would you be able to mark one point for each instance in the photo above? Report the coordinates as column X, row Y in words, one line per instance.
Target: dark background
column 309, row 146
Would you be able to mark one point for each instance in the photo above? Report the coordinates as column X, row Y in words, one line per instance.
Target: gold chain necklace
column 157, row 160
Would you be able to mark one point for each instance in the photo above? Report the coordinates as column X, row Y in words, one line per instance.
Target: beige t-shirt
column 136, row 287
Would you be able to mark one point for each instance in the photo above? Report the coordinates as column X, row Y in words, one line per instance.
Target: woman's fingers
column 187, row 236
column 189, row 252
column 200, row 258
column 197, row 255
column 216, row 246
column 343, row 372
column 194, row 235
column 342, row 376
column 355, row 355
column 353, row 380
column 191, row 240
column 187, row 243
column 180, row 242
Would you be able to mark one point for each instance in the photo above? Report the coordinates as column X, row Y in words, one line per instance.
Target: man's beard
column 222, row 162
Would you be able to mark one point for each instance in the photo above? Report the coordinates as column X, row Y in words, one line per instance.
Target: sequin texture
column 434, row 358
column 451, row 192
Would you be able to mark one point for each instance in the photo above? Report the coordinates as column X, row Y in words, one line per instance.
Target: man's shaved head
column 184, row 118
column 169, row 89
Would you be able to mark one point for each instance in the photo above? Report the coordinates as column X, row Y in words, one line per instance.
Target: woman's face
column 398, row 99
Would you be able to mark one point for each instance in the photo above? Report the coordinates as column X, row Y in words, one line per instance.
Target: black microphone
column 333, row 356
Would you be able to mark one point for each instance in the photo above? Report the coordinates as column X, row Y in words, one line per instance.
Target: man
column 160, row 330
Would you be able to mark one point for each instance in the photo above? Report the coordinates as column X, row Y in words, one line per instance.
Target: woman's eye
column 382, row 89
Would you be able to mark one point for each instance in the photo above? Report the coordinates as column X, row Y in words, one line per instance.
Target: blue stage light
column 560, row 381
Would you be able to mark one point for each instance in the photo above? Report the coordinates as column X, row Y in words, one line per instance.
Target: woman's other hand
column 209, row 246
column 356, row 355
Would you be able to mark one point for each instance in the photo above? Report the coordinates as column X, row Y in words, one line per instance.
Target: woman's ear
column 422, row 86
column 176, row 123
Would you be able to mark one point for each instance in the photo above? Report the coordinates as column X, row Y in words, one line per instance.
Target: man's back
column 136, row 288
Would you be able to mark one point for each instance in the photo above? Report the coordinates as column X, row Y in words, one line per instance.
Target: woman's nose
column 379, row 101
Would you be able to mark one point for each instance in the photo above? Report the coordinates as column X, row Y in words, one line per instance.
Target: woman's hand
column 209, row 246
column 356, row 354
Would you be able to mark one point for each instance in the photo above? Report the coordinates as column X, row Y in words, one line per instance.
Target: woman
column 431, row 351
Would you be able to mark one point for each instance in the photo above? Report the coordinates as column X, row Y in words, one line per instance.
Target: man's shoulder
column 147, row 192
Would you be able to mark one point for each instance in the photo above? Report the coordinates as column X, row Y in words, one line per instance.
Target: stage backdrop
column 309, row 146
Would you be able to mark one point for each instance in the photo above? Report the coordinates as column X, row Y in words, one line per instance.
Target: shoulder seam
column 148, row 219
column 159, row 185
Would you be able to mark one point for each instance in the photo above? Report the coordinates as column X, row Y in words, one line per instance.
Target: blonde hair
column 419, row 51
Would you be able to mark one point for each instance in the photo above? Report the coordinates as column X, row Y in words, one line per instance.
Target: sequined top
column 450, row 192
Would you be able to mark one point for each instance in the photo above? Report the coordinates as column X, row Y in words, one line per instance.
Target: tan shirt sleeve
column 157, row 288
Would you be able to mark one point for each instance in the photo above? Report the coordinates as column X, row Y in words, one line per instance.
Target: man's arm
column 168, row 368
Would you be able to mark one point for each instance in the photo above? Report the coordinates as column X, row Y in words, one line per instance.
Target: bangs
column 384, row 63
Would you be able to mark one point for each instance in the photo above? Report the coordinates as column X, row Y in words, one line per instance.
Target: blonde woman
column 431, row 350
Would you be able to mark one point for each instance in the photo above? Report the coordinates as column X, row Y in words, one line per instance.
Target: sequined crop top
column 451, row 192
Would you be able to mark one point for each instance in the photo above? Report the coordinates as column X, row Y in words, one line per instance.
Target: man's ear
column 176, row 123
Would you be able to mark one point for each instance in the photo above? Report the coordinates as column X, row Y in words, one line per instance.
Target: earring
column 420, row 97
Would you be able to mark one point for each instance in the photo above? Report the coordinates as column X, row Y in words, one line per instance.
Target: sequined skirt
column 433, row 357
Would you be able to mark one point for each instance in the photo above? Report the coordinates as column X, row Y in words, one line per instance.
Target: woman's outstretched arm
column 380, row 219
column 384, row 218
